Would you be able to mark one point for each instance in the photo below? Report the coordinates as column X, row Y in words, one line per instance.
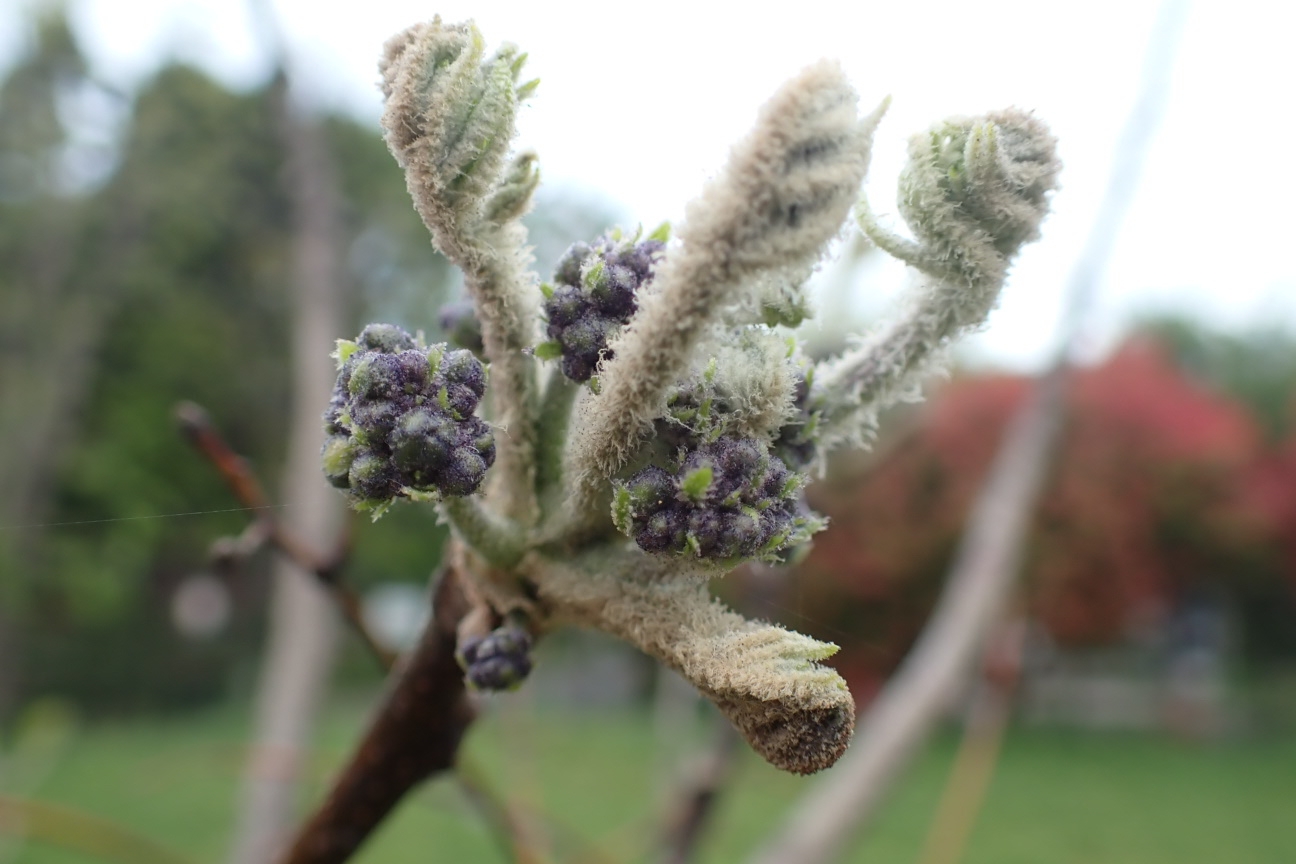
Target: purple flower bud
column 585, row 313
column 568, row 270
column 728, row 499
column 396, row 425
column 461, row 367
column 385, row 338
column 500, row 660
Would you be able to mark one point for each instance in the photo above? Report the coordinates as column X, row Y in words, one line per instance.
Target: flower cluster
column 797, row 443
column 401, row 422
column 592, row 296
column 705, row 417
column 500, row 660
column 728, row 499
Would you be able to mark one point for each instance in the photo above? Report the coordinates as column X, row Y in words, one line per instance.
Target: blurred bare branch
column 983, row 734
column 267, row 529
column 694, row 802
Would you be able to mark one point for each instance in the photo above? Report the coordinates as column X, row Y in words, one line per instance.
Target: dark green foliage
column 1257, row 367
column 167, row 282
column 199, row 287
column 399, row 275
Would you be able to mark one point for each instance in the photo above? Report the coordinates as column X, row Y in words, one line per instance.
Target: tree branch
column 983, row 734
column 242, row 480
column 415, row 735
column 198, row 428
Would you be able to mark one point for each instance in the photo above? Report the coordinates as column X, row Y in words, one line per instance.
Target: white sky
column 641, row 102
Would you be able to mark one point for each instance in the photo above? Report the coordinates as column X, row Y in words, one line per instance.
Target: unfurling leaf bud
column 449, row 119
column 993, row 173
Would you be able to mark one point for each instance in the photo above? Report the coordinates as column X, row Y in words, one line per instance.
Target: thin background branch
column 986, row 723
column 327, row 569
column 692, row 807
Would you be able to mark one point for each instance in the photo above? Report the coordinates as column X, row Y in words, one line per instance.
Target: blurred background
column 147, row 230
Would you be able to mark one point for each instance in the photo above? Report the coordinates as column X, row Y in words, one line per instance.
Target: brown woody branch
column 198, row 428
column 229, row 552
column 415, row 735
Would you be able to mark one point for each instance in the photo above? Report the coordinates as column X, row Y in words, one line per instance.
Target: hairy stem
column 781, row 197
column 497, row 539
column 555, row 415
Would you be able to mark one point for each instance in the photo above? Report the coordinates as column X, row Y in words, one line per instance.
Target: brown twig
column 198, row 428
column 688, row 822
column 243, row 482
column 509, row 828
column 415, row 735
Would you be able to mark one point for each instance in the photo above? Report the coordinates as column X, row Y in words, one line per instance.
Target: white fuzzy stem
column 782, row 196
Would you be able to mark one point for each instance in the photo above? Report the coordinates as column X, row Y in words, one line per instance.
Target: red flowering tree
column 1161, row 486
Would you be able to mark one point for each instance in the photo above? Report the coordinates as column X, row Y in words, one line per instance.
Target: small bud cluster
column 728, row 499
column 592, row 297
column 500, row 660
column 401, row 422
column 796, row 443
column 459, row 322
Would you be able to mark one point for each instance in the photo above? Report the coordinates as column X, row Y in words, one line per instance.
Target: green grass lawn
column 1055, row 799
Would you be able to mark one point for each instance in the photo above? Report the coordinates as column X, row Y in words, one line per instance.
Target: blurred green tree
column 1156, row 496
column 51, row 238
column 1257, row 366
column 144, row 268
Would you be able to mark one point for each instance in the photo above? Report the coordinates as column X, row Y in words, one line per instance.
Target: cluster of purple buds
column 729, row 499
column 688, row 418
column 459, row 322
column 400, row 421
column 592, row 297
column 500, row 660
column 796, row 444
